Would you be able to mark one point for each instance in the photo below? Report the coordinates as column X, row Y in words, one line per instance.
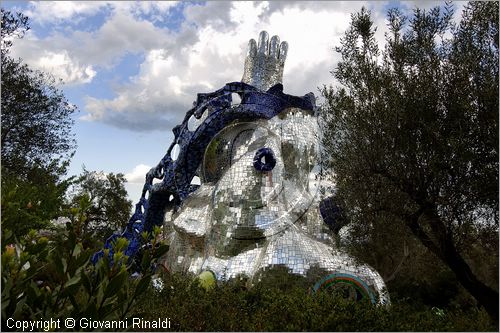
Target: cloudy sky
column 134, row 68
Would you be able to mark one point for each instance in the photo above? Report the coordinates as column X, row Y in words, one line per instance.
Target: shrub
column 283, row 304
column 44, row 278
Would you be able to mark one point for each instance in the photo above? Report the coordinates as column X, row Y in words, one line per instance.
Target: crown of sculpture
column 264, row 62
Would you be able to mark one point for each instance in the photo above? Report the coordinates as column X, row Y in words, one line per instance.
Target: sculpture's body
column 258, row 204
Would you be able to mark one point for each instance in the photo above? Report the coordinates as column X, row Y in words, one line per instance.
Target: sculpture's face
column 262, row 175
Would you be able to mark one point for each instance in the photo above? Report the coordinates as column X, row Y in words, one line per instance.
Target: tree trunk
column 445, row 249
column 485, row 295
column 398, row 267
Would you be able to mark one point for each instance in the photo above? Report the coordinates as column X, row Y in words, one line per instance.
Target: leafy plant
column 281, row 301
column 44, row 278
column 103, row 200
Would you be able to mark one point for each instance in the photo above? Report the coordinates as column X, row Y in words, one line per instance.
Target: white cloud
column 152, row 99
column 73, row 11
column 206, row 51
column 154, row 8
column 138, row 174
column 77, row 56
column 49, row 11
column 213, row 55
column 62, row 66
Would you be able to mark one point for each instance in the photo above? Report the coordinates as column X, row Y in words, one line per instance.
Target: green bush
column 281, row 303
column 31, row 202
column 44, row 278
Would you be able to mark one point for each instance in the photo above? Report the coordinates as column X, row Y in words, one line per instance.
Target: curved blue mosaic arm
column 176, row 175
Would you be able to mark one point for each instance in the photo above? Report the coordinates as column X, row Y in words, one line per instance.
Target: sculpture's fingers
column 274, row 47
column 252, row 48
column 263, row 42
column 283, row 51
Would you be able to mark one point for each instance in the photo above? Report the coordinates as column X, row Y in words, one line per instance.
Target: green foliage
column 36, row 139
column 288, row 306
column 31, row 203
column 103, row 203
column 412, row 137
column 44, row 278
column 36, row 119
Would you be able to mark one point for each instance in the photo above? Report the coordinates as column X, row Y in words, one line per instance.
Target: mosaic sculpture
column 239, row 186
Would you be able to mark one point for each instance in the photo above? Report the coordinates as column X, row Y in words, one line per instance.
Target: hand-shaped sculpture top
column 265, row 61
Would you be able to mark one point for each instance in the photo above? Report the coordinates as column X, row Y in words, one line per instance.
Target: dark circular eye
column 264, row 159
